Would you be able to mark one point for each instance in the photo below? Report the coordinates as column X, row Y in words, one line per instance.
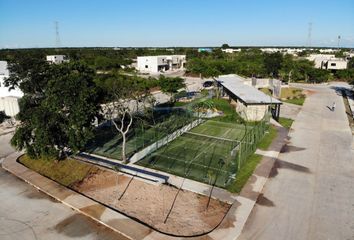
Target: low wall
column 153, row 147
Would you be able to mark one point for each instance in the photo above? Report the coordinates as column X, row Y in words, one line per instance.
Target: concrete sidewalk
column 311, row 192
column 230, row 228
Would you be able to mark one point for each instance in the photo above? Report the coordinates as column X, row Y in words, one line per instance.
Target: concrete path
column 311, row 194
column 27, row 214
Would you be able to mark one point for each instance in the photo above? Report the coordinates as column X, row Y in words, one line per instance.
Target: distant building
column 336, row 64
column 156, row 64
column 231, row 50
column 209, row 50
column 56, row 59
column 8, row 98
column 328, row 61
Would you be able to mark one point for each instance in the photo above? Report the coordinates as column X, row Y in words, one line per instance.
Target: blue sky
column 30, row 23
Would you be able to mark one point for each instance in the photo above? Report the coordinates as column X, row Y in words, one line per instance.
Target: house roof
column 246, row 94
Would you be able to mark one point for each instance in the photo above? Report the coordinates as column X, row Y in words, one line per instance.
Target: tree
column 58, row 108
column 225, row 45
column 127, row 96
column 171, row 85
column 272, row 63
column 3, row 116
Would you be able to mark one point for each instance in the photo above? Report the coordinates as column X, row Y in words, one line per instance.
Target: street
column 27, row 214
column 310, row 194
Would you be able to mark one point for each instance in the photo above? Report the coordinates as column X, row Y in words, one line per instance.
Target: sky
column 169, row 23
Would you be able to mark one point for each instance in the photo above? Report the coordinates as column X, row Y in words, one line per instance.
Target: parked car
column 207, row 84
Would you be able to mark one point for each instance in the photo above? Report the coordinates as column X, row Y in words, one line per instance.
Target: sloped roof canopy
column 246, row 94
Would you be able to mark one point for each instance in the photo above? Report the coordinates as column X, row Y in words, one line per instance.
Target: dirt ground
column 151, row 203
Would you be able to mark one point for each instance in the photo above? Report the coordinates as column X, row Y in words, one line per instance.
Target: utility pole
column 338, row 44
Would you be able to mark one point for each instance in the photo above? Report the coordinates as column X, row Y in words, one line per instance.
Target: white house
column 231, row 50
column 156, row 64
column 328, row 61
column 336, row 64
column 8, row 98
column 57, row 59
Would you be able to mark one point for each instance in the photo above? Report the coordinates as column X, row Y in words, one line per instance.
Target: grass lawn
column 245, row 172
column 286, row 122
column 66, row 172
column 293, row 95
column 297, row 101
column 251, row 163
column 196, row 155
column 266, row 91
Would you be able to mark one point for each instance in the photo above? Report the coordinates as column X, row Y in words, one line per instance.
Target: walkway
column 311, row 194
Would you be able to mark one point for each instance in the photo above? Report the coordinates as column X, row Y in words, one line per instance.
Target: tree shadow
column 287, row 165
column 289, row 148
column 263, row 201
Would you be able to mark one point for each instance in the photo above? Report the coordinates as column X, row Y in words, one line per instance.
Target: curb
column 237, row 215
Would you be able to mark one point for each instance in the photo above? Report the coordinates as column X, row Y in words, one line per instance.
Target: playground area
column 159, row 206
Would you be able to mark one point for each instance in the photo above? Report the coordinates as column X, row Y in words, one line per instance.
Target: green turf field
column 197, row 154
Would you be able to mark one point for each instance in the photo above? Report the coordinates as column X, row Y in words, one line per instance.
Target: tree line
column 62, row 102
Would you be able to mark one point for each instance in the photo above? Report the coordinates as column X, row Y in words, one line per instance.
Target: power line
column 309, row 35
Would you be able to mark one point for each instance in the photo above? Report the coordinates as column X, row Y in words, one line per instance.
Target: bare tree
column 127, row 99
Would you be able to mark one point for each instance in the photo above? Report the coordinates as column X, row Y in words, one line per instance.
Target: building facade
column 8, row 98
column 328, row 61
column 56, row 59
column 156, row 64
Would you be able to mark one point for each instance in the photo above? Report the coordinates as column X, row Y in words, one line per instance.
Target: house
column 231, row 50
column 209, row 50
column 336, row 64
column 56, row 59
column 250, row 103
column 8, row 98
column 328, row 61
column 162, row 63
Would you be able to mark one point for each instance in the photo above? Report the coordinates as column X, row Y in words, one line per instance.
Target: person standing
column 333, row 106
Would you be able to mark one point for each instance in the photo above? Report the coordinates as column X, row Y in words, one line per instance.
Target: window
column 333, row 64
column 146, row 66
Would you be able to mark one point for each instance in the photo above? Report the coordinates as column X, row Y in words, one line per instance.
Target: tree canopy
column 58, row 108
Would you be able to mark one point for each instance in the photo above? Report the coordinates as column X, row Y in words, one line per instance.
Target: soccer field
column 205, row 153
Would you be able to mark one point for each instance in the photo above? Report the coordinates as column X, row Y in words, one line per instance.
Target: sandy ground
column 151, row 203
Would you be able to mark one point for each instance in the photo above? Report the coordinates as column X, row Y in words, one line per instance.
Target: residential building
column 162, row 63
column 8, row 98
column 209, row 50
column 336, row 64
column 56, row 59
column 328, row 61
column 231, row 50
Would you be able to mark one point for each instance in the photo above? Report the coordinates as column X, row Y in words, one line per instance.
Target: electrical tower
column 309, row 35
column 57, row 37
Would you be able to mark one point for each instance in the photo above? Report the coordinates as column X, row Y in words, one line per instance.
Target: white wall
column 56, row 59
column 151, row 64
column 251, row 112
column 9, row 105
column 337, row 64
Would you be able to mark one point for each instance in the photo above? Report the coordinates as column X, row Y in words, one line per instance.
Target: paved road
column 27, row 214
column 311, row 192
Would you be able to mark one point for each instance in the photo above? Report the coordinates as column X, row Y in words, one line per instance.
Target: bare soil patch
column 151, row 203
